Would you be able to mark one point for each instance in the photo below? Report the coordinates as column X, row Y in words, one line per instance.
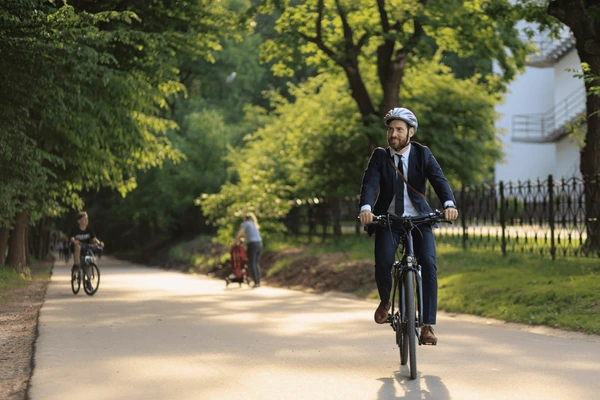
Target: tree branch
column 321, row 7
column 318, row 39
column 347, row 29
column 361, row 42
column 414, row 38
column 385, row 23
column 319, row 42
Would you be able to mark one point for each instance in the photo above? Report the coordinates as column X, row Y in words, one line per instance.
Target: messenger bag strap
column 405, row 181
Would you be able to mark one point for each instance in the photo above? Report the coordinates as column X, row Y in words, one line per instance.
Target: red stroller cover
column 238, row 260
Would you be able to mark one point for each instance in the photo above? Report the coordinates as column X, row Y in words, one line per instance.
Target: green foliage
column 313, row 147
column 316, row 145
column 480, row 29
column 285, row 160
column 87, row 89
column 456, row 120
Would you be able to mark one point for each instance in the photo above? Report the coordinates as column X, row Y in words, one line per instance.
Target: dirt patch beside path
column 293, row 268
column 321, row 273
column 19, row 310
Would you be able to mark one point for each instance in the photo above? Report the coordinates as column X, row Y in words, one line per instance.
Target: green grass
column 564, row 293
column 523, row 288
column 280, row 265
column 9, row 279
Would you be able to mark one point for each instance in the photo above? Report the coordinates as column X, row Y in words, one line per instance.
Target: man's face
column 398, row 134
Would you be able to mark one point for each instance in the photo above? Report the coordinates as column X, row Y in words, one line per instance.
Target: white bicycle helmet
column 403, row 114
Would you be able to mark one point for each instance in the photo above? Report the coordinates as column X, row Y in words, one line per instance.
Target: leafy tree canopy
column 88, row 86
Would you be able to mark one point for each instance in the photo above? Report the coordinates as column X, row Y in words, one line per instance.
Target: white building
column 535, row 119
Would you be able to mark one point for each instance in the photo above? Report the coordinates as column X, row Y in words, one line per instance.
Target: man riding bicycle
column 401, row 172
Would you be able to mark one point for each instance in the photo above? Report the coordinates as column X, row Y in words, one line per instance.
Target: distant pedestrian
column 251, row 231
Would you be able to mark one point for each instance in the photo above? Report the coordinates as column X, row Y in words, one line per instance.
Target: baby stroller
column 238, row 266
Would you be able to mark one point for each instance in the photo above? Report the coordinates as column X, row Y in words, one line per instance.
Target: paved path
column 152, row 334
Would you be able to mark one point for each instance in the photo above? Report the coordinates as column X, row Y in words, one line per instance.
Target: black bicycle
column 407, row 286
column 88, row 271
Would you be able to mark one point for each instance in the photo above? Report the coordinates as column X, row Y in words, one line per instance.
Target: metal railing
column 550, row 218
column 549, row 51
column 553, row 124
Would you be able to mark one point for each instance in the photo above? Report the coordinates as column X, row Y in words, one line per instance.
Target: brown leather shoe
column 381, row 314
column 427, row 335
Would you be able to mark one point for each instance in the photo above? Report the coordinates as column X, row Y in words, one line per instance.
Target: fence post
column 463, row 218
column 324, row 207
column 551, row 216
column 502, row 218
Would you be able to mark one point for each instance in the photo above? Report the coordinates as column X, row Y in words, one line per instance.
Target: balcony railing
column 549, row 51
column 552, row 125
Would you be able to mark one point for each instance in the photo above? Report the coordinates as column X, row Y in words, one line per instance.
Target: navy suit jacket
column 422, row 167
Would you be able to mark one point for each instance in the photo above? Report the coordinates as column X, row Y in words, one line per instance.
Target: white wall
column 564, row 81
column 537, row 91
column 531, row 93
column 567, row 159
column 569, row 91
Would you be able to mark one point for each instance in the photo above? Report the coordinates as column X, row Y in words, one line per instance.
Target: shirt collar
column 405, row 154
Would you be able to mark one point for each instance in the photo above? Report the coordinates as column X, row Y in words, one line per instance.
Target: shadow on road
column 434, row 388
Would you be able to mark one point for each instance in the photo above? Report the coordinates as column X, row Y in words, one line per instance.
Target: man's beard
column 401, row 144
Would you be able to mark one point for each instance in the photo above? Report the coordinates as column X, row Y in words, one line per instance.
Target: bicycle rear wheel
column 75, row 280
column 411, row 329
column 91, row 279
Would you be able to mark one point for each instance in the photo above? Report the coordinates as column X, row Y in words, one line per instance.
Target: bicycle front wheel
column 401, row 337
column 75, row 280
column 91, row 279
column 411, row 329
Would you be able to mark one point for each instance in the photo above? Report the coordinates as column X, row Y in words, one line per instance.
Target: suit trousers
column 254, row 250
column 386, row 244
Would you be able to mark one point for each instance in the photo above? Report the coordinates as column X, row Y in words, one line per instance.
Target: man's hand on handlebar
column 366, row 217
column 451, row 214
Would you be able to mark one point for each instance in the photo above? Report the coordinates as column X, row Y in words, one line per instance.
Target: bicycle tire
column 411, row 329
column 94, row 277
column 401, row 328
column 75, row 281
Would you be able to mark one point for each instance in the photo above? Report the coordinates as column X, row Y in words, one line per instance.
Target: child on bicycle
column 82, row 234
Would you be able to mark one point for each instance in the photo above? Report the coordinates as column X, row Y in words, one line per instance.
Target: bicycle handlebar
column 95, row 246
column 431, row 218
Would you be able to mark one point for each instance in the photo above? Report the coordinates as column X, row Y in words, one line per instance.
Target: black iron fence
column 545, row 217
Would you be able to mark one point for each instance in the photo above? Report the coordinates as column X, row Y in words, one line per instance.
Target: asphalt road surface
column 153, row 334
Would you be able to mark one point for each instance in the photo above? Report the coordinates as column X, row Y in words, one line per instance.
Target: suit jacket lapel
column 391, row 169
column 412, row 163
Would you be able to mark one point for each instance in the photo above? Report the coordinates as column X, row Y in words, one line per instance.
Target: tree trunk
column 590, row 160
column 592, row 213
column 39, row 243
column 17, row 244
column 3, row 242
column 359, row 91
column 581, row 18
